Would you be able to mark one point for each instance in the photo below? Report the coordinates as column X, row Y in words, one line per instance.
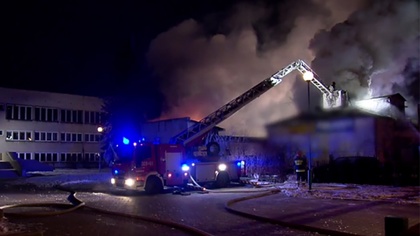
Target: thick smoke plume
column 203, row 69
column 374, row 52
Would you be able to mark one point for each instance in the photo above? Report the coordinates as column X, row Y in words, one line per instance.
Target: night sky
column 188, row 58
column 85, row 47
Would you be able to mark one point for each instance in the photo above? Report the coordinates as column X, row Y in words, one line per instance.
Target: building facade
column 57, row 129
column 351, row 135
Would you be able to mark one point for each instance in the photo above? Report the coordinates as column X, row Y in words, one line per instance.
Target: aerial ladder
column 331, row 99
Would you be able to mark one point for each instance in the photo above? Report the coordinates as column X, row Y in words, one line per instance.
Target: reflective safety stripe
column 300, row 170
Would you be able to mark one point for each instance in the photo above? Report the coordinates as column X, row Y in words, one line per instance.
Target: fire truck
column 190, row 157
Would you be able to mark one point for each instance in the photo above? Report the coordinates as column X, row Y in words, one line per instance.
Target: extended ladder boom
column 210, row 121
column 304, row 68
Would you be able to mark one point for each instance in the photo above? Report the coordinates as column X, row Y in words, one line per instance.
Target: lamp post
column 308, row 76
column 100, row 130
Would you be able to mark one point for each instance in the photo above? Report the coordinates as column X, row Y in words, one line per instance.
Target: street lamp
column 100, row 129
column 308, row 77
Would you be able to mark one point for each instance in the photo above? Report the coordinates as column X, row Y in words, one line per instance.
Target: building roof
column 395, row 95
column 325, row 115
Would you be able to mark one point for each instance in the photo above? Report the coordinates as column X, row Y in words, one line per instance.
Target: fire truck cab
column 149, row 167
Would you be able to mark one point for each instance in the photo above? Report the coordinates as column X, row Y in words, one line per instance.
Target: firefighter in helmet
column 300, row 164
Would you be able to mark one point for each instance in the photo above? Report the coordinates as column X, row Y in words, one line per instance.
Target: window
column 55, row 115
column 46, row 114
column 49, row 115
column 15, row 135
column 18, row 112
column 43, row 114
column 142, row 153
column 63, row 157
column 46, row 136
column 71, row 137
column 24, row 155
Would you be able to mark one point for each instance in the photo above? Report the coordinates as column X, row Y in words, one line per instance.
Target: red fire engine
column 148, row 166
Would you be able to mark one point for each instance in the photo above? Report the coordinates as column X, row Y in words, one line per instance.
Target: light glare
column 308, row 76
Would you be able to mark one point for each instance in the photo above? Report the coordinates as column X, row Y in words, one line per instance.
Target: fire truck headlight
column 129, row 182
column 185, row 167
column 222, row 167
column 112, row 181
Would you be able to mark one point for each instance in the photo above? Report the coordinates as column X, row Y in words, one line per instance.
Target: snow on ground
column 403, row 195
column 90, row 179
column 61, row 177
column 87, row 178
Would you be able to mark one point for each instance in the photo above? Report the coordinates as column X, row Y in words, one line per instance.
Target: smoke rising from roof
column 374, row 52
column 203, row 66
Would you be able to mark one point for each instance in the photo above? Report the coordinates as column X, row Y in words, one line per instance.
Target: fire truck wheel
column 213, row 149
column 222, row 180
column 153, row 185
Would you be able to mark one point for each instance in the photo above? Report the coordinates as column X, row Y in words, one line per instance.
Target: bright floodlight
column 222, row 167
column 308, row 76
column 100, row 129
column 375, row 105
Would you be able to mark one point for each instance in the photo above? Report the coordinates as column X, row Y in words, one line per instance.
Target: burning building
column 373, row 134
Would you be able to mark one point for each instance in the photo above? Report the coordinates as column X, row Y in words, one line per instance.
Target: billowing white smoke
column 367, row 54
column 202, row 73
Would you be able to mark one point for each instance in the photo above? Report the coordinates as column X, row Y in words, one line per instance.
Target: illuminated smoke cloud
column 374, row 52
column 202, row 71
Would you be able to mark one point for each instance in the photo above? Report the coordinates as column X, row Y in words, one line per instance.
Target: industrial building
column 386, row 137
column 57, row 129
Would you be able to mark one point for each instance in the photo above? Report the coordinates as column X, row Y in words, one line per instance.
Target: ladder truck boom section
column 210, row 121
column 151, row 166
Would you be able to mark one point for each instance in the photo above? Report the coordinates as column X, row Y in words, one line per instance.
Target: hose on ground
column 229, row 204
column 78, row 204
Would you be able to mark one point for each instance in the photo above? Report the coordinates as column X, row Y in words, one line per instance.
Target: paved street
column 207, row 213
column 202, row 211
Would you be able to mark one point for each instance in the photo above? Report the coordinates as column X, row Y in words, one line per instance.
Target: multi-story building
column 57, row 129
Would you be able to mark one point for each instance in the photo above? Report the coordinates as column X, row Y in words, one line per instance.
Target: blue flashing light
column 238, row 163
column 126, row 141
column 242, row 163
column 185, row 167
column 116, row 172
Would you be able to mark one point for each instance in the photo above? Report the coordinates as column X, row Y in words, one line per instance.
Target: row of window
column 28, row 113
column 15, row 135
column 60, row 157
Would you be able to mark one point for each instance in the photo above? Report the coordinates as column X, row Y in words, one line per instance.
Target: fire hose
column 78, row 204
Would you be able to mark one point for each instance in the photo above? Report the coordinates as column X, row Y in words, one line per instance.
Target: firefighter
column 300, row 168
column 332, row 87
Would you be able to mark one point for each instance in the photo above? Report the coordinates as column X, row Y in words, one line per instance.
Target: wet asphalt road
column 203, row 211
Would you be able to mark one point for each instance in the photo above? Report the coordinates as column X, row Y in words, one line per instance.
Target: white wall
column 32, row 99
